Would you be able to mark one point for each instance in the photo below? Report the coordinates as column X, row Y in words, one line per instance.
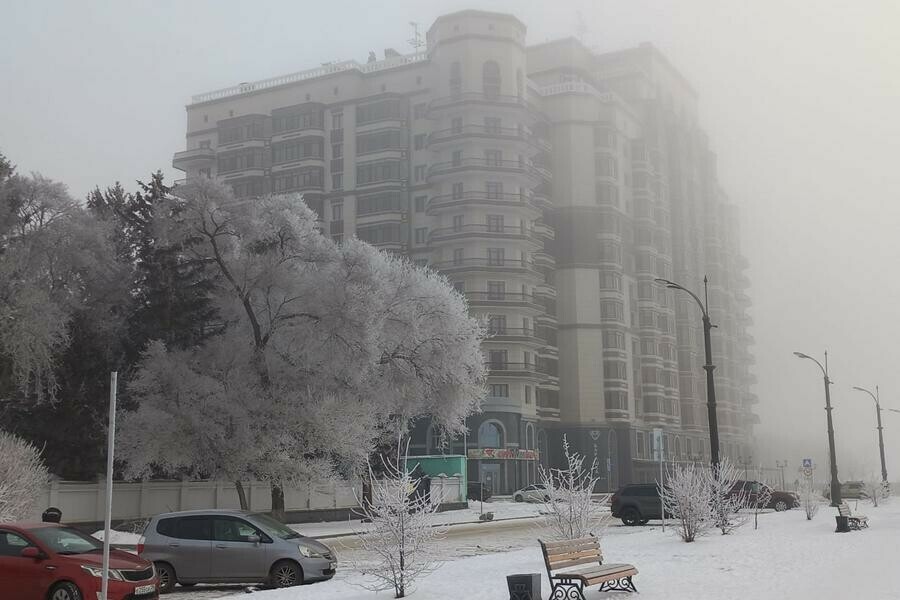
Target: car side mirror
column 32, row 552
column 254, row 539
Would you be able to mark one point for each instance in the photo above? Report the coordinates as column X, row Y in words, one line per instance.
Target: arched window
column 490, row 435
column 490, row 78
column 529, row 436
column 455, row 79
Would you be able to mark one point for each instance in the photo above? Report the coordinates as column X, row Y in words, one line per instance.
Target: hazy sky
column 800, row 98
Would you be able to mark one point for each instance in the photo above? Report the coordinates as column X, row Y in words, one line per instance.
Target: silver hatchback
column 232, row 546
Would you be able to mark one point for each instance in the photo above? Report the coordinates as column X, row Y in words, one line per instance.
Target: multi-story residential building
column 552, row 185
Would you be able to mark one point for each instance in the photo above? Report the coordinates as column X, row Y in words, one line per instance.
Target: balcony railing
column 197, row 154
column 499, row 298
column 507, row 133
column 479, row 97
column 513, row 369
column 512, row 334
column 486, row 164
column 482, row 264
column 483, row 198
column 483, row 230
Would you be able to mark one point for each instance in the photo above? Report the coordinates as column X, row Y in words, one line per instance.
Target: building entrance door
column 490, row 477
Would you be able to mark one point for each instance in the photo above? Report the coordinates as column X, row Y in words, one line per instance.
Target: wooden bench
column 855, row 521
column 568, row 584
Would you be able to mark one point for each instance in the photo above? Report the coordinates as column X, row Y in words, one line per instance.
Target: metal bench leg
column 567, row 590
column 623, row 584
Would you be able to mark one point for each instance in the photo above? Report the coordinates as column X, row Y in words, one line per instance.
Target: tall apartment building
column 551, row 185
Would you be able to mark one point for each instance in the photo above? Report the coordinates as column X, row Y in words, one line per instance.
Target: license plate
column 144, row 589
column 333, row 566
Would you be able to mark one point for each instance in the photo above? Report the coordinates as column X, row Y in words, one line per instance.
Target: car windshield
column 65, row 540
column 274, row 528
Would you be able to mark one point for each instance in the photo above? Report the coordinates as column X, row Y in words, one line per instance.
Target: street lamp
column 875, row 397
column 835, row 484
column 708, row 367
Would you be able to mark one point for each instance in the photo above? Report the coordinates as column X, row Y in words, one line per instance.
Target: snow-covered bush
column 401, row 534
column 877, row 490
column 726, row 499
column 572, row 512
column 810, row 499
column 687, row 496
column 23, row 477
column 763, row 496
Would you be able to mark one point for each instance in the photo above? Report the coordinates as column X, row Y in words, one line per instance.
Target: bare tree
column 761, row 496
column 727, row 498
column 571, row 510
column 810, row 499
column 687, row 496
column 402, row 534
column 23, row 477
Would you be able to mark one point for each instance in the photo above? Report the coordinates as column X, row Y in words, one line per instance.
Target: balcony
column 443, row 136
column 507, row 232
column 501, row 299
column 198, row 156
column 511, row 369
column 544, row 260
column 544, row 231
column 451, row 202
column 509, row 265
column 514, row 334
column 486, row 164
column 455, row 100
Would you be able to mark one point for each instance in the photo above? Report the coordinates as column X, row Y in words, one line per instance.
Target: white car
column 532, row 493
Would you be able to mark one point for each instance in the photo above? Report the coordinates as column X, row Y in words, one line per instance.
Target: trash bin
column 524, row 586
column 843, row 524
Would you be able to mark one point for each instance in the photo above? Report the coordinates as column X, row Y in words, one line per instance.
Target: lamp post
column 835, row 484
column 709, row 367
column 875, row 397
column 781, row 464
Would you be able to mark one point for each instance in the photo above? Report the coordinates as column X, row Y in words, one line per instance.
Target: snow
column 787, row 557
column 119, row 538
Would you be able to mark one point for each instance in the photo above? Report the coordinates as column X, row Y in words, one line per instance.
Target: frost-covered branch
column 23, row 477
column 572, row 512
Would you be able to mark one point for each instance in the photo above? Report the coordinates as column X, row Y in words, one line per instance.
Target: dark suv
column 780, row 501
column 636, row 504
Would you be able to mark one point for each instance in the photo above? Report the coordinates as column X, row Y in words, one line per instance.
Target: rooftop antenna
column 416, row 42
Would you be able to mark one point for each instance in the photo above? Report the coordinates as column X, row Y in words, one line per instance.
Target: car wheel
column 781, row 506
column 286, row 573
column 167, row 579
column 519, row 498
column 644, row 521
column 631, row 517
column 65, row 591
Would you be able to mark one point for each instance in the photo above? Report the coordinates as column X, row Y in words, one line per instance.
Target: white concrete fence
column 85, row 501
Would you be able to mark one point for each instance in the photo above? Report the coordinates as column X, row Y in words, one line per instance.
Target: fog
column 800, row 99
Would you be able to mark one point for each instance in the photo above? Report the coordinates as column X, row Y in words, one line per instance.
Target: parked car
column 532, row 493
column 755, row 491
column 475, row 489
column 232, row 546
column 636, row 504
column 850, row 490
column 40, row 561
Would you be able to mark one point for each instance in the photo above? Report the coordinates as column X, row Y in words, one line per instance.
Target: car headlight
column 98, row 572
column 309, row 552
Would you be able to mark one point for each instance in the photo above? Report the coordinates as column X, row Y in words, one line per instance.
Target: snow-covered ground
column 787, row 557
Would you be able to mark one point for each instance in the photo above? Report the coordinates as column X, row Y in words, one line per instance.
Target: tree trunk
column 278, row 502
column 242, row 496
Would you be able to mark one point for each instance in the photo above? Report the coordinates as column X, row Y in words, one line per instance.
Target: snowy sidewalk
column 788, row 557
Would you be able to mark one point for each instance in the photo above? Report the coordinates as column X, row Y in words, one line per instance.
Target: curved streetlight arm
column 676, row 286
column 893, row 410
column 801, row 355
column 874, row 397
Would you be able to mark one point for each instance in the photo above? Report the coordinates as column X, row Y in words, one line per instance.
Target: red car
column 41, row 561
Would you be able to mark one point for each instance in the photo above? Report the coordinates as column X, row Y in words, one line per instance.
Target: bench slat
column 588, row 541
column 564, row 564
column 599, row 574
column 578, row 554
column 570, row 549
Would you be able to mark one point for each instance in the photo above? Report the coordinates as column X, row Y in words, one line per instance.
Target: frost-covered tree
column 810, row 498
column 23, row 477
column 321, row 348
column 727, row 497
column 763, row 495
column 687, row 497
column 572, row 512
column 401, row 533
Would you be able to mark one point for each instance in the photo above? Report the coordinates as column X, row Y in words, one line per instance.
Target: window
column 604, row 138
column 419, row 141
column 498, row 359
column 496, row 290
column 194, row 528
column 204, row 143
column 456, row 125
column 605, row 166
column 337, row 120
column 377, row 141
column 252, row 159
column 490, row 435
column 496, row 256
column 458, row 256
column 497, row 324
column 419, row 173
column 492, row 125
column 286, row 181
column 613, row 340
column 499, row 390
column 610, row 252
column 494, row 190
column 420, row 203
column 495, row 223
column 455, row 79
column 611, row 310
column 615, row 369
column 297, row 149
column 610, row 280
column 528, row 395
column 388, row 201
column 421, row 234
column 337, row 181
column 382, row 170
column 490, row 78
column 607, row 194
column 337, row 150
column 456, row 158
column 380, row 110
column 302, row 117
column 457, row 190
column 233, row 530
column 419, row 111
column 12, row 544
column 387, row 233
column 615, row 400
column 493, row 158
column 337, row 212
